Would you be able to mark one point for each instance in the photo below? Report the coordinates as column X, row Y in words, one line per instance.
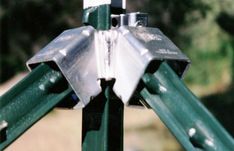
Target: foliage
column 27, row 25
column 203, row 29
column 194, row 26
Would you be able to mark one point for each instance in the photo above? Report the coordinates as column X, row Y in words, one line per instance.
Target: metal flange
column 73, row 51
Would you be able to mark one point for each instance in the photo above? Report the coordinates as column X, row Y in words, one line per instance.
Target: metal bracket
column 85, row 55
column 137, row 47
column 134, row 19
column 74, row 53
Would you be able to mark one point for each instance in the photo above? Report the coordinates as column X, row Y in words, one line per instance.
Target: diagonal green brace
column 30, row 100
column 190, row 122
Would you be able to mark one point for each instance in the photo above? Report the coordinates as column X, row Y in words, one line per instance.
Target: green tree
column 27, row 25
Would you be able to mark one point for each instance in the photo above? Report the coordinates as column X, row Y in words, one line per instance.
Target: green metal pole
column 29, row 101
column 98, row 17
column 102, row 123
column 191, row 123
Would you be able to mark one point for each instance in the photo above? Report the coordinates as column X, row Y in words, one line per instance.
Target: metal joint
column 85, row 55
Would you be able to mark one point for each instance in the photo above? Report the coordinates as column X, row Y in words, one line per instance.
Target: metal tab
column 137, row 47
column 74, row 53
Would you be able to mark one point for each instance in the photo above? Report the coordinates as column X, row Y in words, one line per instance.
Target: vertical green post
column 102, row 123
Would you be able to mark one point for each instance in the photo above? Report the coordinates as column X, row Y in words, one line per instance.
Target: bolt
column 192, row 132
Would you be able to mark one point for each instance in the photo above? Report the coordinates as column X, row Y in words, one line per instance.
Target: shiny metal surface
column 3, row 128
column 85, row 55
column 138, row 46
column 134, row 19
column 74, row 53
column 3, row 124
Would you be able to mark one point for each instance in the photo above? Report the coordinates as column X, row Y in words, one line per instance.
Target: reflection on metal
column 74, row 53
column 3, row 124
column 85, row 55
column 135, row 51
column 3, row 127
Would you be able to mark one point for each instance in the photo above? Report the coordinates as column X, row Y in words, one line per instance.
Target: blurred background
column 202, row 29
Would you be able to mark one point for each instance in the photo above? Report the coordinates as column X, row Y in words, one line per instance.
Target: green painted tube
column 30, row 100
column 185, row 116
